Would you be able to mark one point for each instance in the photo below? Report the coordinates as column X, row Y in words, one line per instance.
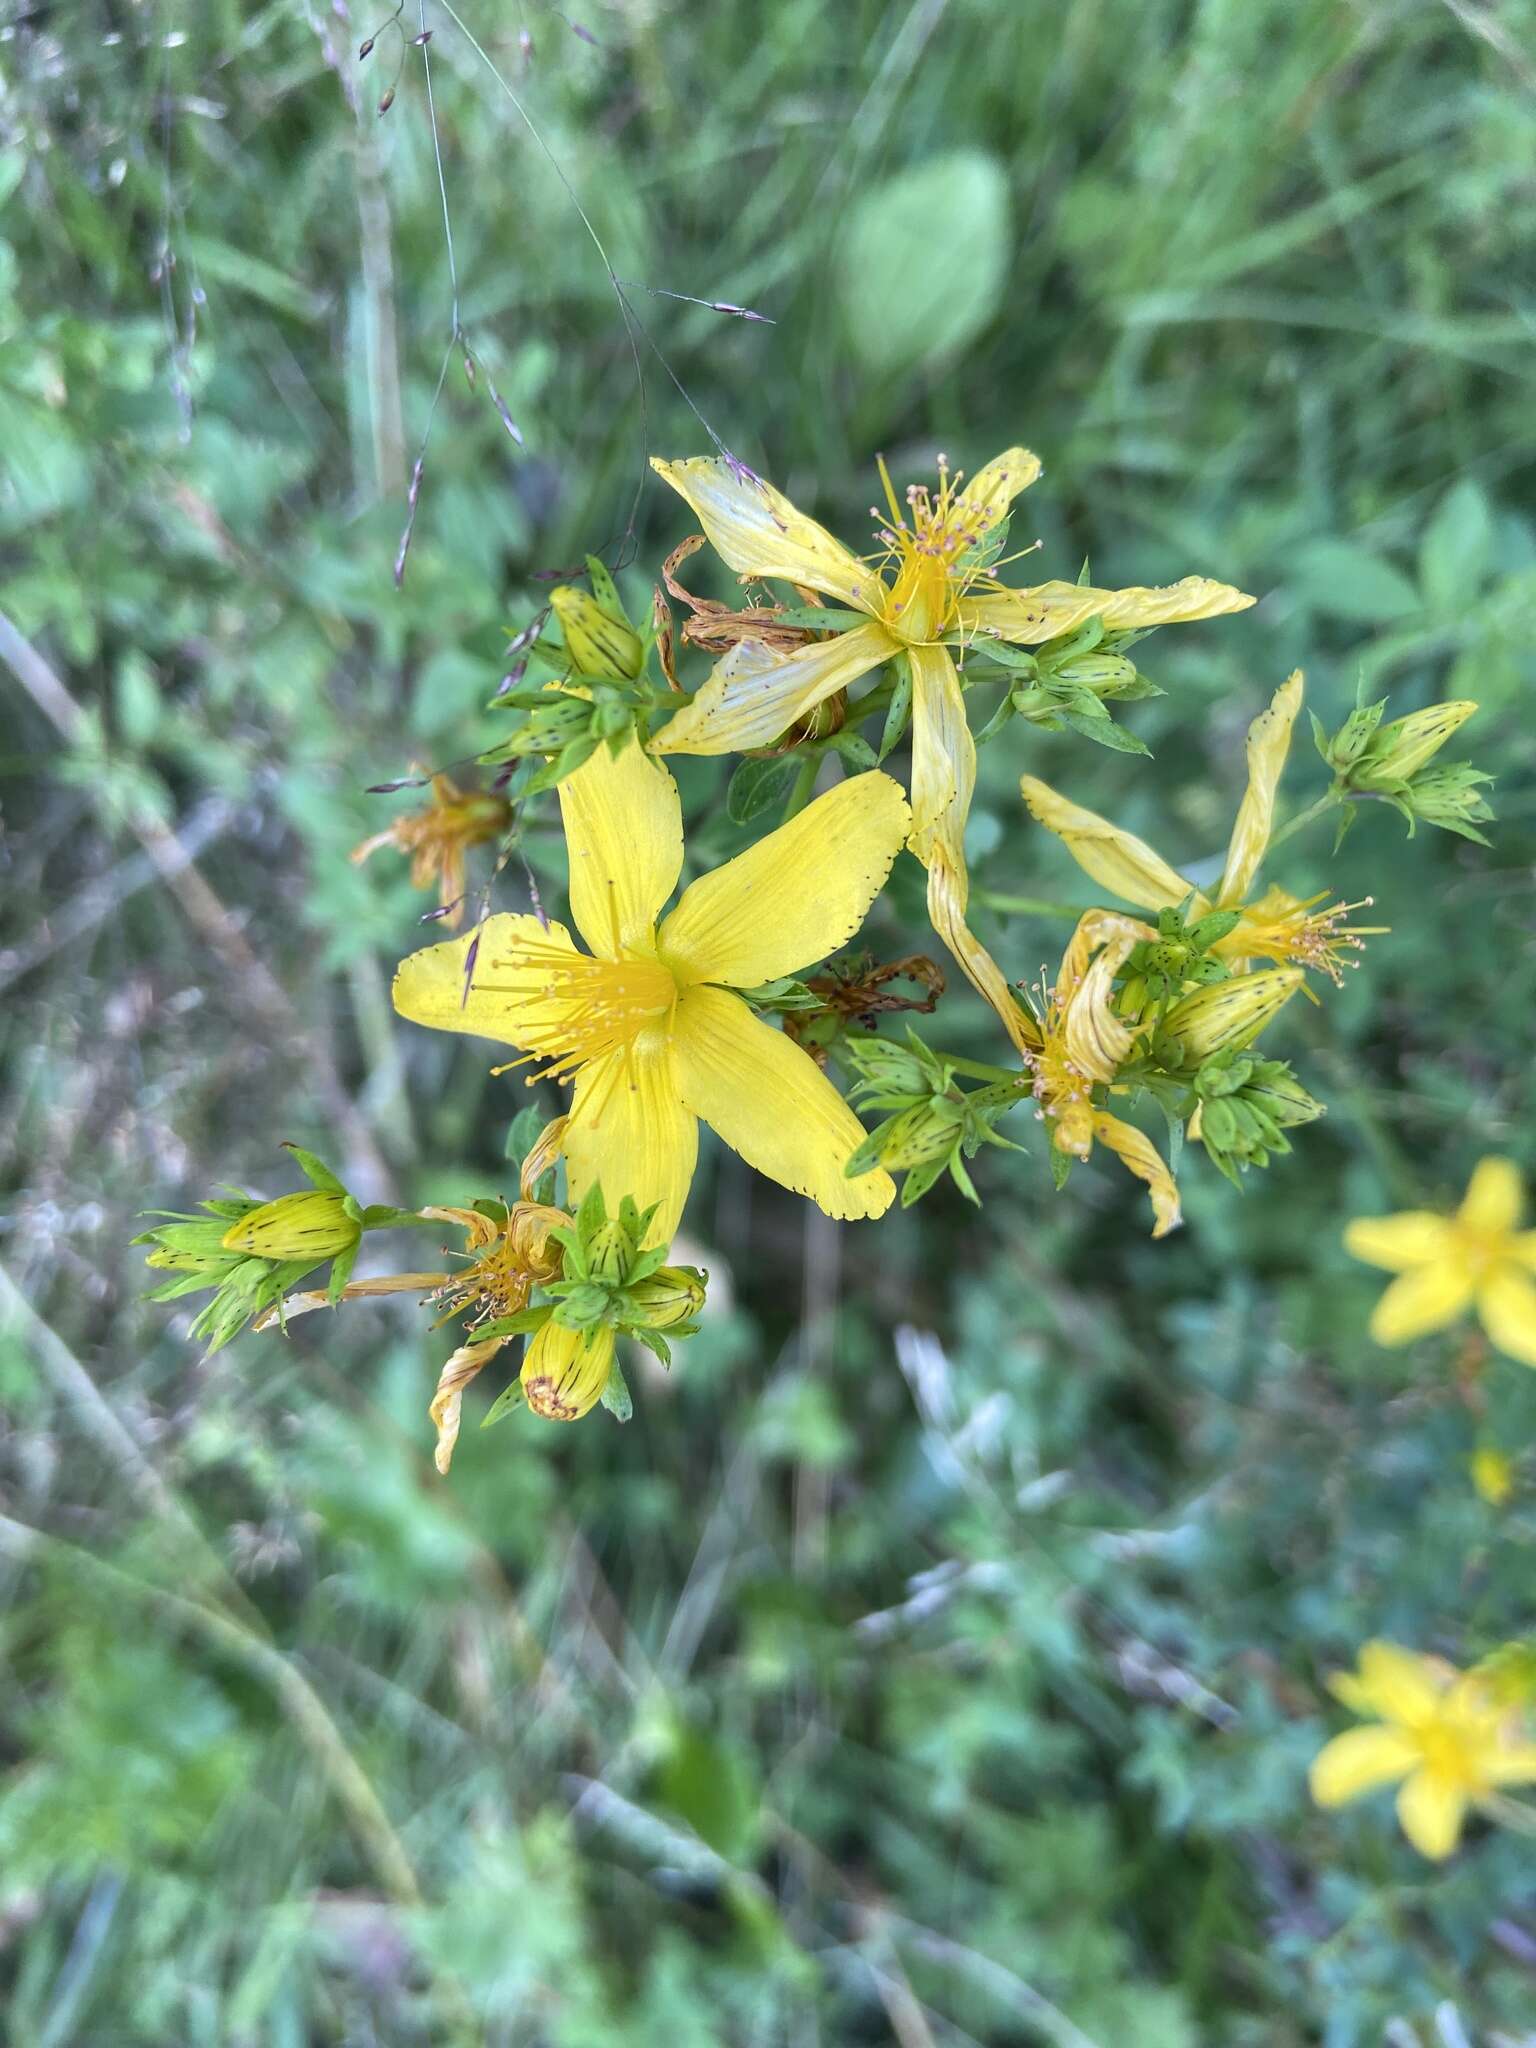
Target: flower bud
column 1105, row 674
column 1452, row 798
column 608, row 1252
column 1229, row 1013
column 928, row 1130
column 565, row 1371
column 1398, row 751
column 597, row 644
column 312, row 1225
column 667, row 1297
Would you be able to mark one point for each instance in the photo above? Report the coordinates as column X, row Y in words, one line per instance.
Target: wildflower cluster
column 737, row 1005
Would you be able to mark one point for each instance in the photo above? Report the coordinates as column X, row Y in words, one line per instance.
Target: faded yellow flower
column 1274, row 926
column 1447, row 1737
column 930, row 586
column 1479, row 1258
column 437, row 837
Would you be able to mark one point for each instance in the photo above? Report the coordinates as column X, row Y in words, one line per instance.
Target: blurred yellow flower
column 437, row 837
column 1493, row 1475
column 1447, row 1264
column 647, row 1024
column 931, row 585
column 1275, row 926
column 1080, row 1044
column 1445, row 1735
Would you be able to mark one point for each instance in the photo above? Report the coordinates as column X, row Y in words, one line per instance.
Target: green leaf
column 606, row 591
column 508, row 1399
column 1346, row 581
column 759, row 786
column 923, row 261
column 244, row 271
column 1455, row 552
column 1103, row 729
column 315, row 1170
column 828, row 617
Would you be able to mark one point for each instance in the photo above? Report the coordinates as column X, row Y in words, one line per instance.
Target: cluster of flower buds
column 1392, row 764
column 1158, row 970
column 251, row 1253
column 932, row 1125
column 1243, row 1107
column 1066, row 684
column 598, row 694
column 609, row 1286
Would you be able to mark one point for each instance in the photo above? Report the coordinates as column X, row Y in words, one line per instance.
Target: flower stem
column 978, row 1070
column 1026, row 906
column 1325, row 802
column 805, row 782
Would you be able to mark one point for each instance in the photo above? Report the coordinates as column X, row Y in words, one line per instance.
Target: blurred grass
column 936, row 1656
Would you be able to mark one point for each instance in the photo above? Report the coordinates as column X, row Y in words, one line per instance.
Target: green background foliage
column 937, row 1654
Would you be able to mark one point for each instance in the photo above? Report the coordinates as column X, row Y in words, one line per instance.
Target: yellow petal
column 943, row 753
column 1432, row 1809
column 996, row 484
column 1117, row 860
column 948, row 889
column 1269, row 741
column 797, row 895
column 1097, row 1042
column 447, row 1406
column 1522, row 1249
column 943, row 780
column 1515, row 1765
column 1358, row 1762
column 1135, row 1150
column 629, row 1133
column 624, row 839
column 1426, row 1299
column 771, row 1103
column 1414, row 1237
column 759, row 532
column 1507, row 1305
column 1096, row 928
column 754, row 694
column 1026, row 617
column 430, row 986
column 1495, row 1197
column 1397, row 1684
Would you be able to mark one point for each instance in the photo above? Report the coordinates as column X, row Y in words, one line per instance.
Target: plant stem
column 1026, row 906
column 1326, row 802
column 805, row 782
column 978, row 1070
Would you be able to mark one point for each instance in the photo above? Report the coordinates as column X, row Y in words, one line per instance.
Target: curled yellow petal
column 1097, row 1042
column 1269, row 741
column 1118, row 861
column 1426, row 1299
column 1028, row 617
column 1432, row 1807
column 629, row 1133
column 467, row 984
column 624, row 841
column 948, row 888
column 996, row 484
column 754, row 695
column 797, row 895
column 1412, row 1238
column 1358, row 1762
column 1506, row 1305
column 448, row 1402
column 1495, row 1197
column 771, row 1103
column 759, row 532
column 1135, row 1150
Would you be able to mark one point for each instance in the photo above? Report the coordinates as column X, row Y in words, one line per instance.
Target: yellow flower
column 1448, row 1264
column 927, row 588
column 1446, row 1735
column 1080, row 1045
column 1275, row 926
column 1492, row 1475
column 437, row 836
column 646, row 1024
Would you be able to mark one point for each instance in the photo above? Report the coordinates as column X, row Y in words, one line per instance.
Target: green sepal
column 1103, row 729
column 341, row 1273
column 606, row 592
column 1061, row 1165
column 509, row 1398
column 315, row 1170
column 654, row 1342
column 898, row 711
column 854, row 750
column 615, row 1396
column 1000, row 717
column 828, row 617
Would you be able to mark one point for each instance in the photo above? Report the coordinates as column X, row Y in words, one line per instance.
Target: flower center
column 582, row 1008
column 923, row 552
column 1297, row 934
